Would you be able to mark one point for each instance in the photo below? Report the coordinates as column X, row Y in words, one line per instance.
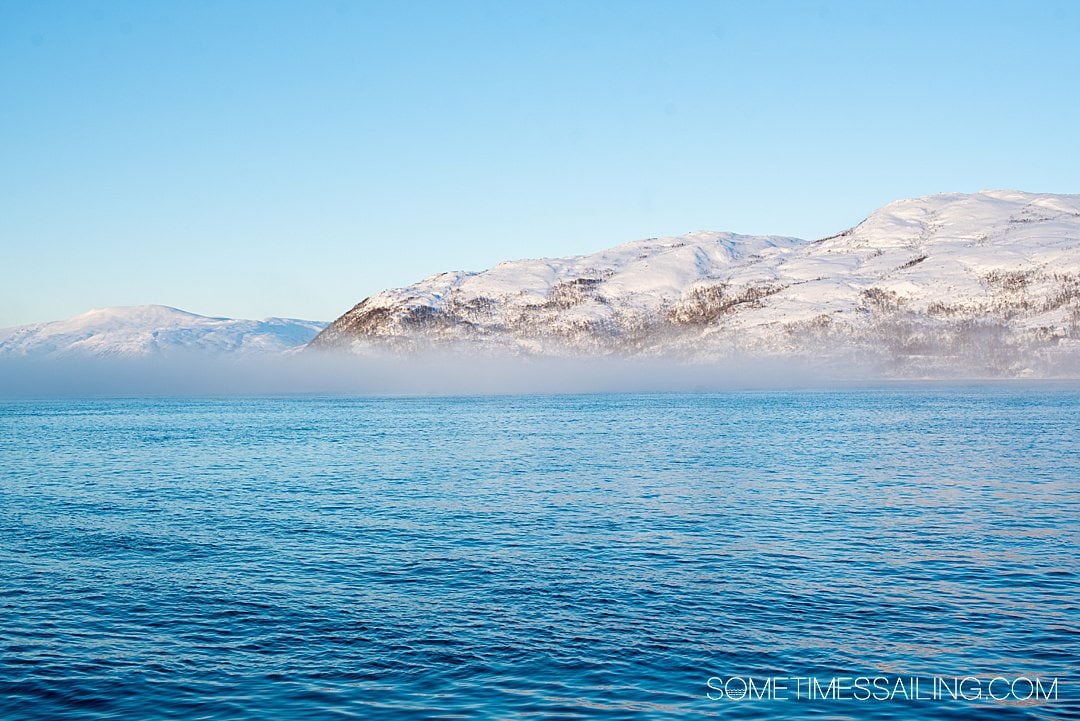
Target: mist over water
column 418, row 374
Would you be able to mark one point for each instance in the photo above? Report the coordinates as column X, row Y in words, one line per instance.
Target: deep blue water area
column 536, row 556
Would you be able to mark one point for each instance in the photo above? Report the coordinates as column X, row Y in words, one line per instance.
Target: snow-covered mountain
column 146, row 330
column 986, row 283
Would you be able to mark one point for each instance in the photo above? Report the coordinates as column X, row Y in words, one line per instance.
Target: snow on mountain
column 145, row 330
column 986, row 283
column 591, row 301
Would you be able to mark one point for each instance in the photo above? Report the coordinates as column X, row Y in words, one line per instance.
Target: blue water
column 534, row 557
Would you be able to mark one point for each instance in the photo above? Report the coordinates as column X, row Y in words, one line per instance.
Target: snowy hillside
column 153, row 329
column 987, row 283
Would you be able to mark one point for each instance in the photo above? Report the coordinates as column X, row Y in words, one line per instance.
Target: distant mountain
column 987, row 283
column 146, row 330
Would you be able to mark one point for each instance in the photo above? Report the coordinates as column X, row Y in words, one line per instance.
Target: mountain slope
column 605, row 301
column 987, row 282
column 151, row 330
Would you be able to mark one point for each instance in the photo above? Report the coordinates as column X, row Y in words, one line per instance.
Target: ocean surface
column 537, row 556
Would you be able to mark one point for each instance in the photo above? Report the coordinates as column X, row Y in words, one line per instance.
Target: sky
column 250, row 159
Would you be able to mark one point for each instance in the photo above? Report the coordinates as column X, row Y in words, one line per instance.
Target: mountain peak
column 150, row 313
column 920, row 280
column 150, row 330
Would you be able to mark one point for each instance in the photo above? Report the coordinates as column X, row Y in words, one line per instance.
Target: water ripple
column 533, row 557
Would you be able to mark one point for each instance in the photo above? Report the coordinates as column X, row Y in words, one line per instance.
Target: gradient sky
column 290, row 158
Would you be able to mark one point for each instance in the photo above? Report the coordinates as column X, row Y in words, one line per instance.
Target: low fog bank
column 442, row 374
column 328, row 373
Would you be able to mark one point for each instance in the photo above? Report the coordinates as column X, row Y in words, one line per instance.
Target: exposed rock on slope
column 987, row 283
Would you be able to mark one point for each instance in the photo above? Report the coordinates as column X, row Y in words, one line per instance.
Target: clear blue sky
column 273, row 158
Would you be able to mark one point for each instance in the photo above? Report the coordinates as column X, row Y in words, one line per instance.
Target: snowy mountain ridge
column 988, row 281
column 147, row 330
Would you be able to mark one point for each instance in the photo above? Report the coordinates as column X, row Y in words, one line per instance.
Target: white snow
column 999, row 256
column 994, row 274
column 154, row 329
